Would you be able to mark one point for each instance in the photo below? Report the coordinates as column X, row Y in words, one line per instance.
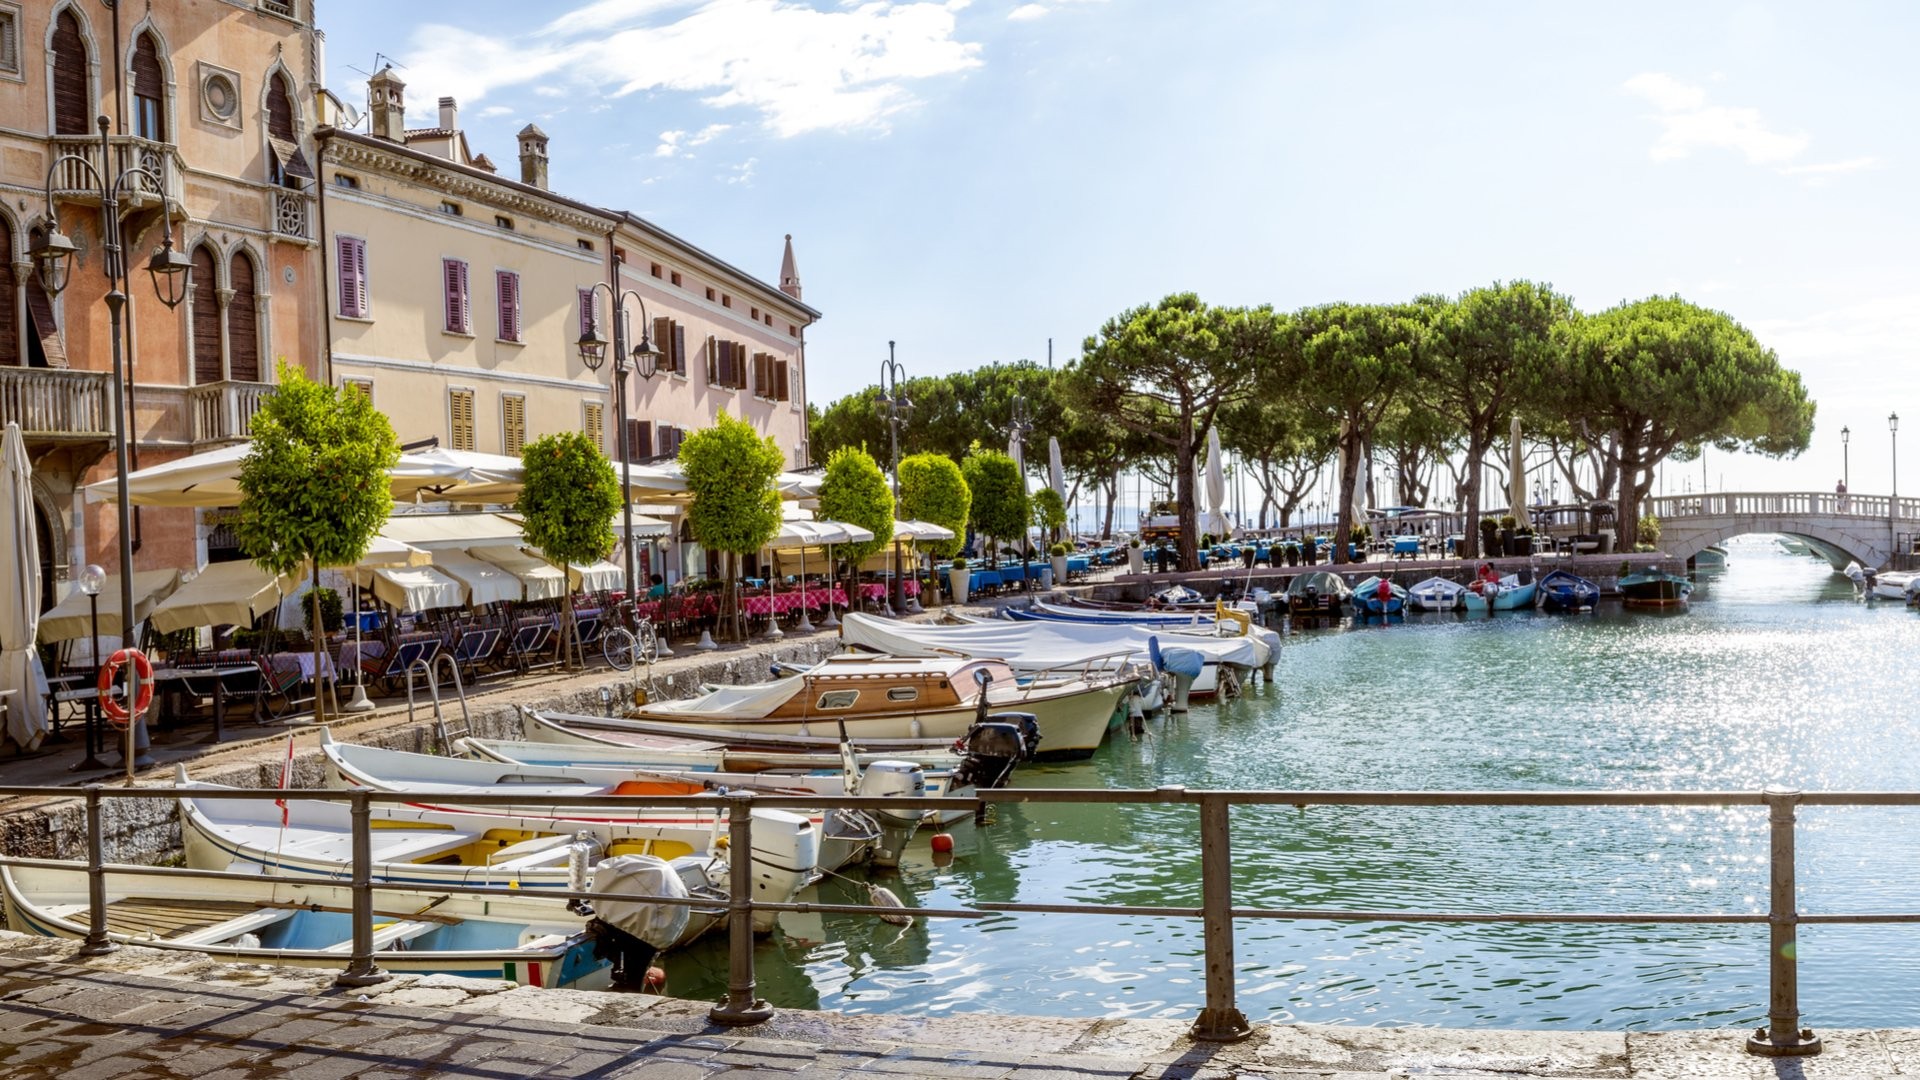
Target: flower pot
column 958, row 578
column 1046, row 577
column 1059, row 568
column 1136, row 562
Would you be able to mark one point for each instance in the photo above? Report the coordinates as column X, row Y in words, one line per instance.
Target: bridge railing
column 1781, row 503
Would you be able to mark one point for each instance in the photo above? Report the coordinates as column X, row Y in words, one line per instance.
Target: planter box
column 1136, row 560
column 1059, row 568
column 957, row 582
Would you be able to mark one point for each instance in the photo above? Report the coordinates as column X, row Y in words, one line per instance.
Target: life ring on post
column 115, row 712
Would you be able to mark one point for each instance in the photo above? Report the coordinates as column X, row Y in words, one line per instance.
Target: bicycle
column 632, row 639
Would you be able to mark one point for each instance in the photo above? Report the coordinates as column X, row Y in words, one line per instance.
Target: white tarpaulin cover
column 415, row 588
column 73, row 617
column 485, row 582
column 224, row 594
column 1036, row 646
column 540, row 580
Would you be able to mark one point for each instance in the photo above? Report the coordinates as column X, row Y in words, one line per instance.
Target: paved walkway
column 142, row 1013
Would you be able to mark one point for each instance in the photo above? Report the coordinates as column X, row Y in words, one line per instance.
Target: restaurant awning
column 415, row 588
column 73, row 617
column 212, row 479
column 596, row 576
column 540, row 580
column 443, row 532
column 224, row 594
column 485, row 582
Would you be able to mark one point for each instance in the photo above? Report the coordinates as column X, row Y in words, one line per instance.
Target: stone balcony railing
column 223, row 412
column 56, row 404
column 73, row 182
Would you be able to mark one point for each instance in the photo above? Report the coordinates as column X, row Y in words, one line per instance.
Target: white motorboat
column 615, row 740
column 1437, row 594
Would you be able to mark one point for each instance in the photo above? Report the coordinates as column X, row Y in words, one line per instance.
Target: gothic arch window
column 207, row 365
column 149, row 89
column 286, row 164
column 243, row 320
column 72, row 75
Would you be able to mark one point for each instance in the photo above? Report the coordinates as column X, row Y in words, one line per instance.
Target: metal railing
column 1220, row 1019
column 224, row 411
column 56, row 402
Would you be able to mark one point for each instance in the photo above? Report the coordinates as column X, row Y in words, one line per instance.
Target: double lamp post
column 896, row 409
column 52, row 253
column 645, row 360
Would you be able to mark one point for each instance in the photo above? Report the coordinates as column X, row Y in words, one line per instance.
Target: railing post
column 1220, row 1021
column 741, row 1006
column 97, row 943
column 361, row 969
column 1784, row 1037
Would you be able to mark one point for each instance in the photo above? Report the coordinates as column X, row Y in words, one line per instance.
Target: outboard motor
column 993, row 747
column 1185, row 665
column 631, row 933
column 904, row 779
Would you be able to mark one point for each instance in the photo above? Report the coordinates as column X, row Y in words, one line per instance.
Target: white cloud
column 675, row 143
column 492, row 111
column 1688, row 122
column 1027, row 12
column 800, row 68
column 1830, row 168
column 669, row 143
column 741, row 173
column 709, row 133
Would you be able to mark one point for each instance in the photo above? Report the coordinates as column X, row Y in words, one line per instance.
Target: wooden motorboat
column 610, row 738
column 1653, row 588
column 885, row 697
column 307, row 922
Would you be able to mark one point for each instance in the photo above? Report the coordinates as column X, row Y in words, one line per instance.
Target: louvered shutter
column 279, row 110
column 507, row 287
column 243, row 322
column 454, row 277
column 713, row 361
column 147, row 80
column 72, row 104
column 679, row 348
column 513, row 423
column 460, row 419
column 785, row 388
column 726, row 364
column 639, row 439
column 352, row 252
column 206, row 320
column 740, row 365
column 595, row 425
column 10, row 43
column 10, row 350
column 663, row 340
column 45, row 328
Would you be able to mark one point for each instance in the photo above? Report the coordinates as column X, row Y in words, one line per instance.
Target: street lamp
column 1846, row 472
column 646, row 360
column 1893, row 503
column 1019, row 424
column 53, row 252
column 896, row 409
column 92, row 580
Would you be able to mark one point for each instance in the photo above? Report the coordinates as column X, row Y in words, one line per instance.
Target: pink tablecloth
column 788, row 602
column 877, row 590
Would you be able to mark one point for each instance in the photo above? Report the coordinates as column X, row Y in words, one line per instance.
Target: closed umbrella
column 1517, row 477
column 20, row 598
column 1217, row 522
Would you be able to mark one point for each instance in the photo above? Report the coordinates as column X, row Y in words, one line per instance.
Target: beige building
column 214, row 103
column 457, row 297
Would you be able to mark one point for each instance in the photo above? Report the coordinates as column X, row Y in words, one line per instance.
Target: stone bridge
column 1868, row 529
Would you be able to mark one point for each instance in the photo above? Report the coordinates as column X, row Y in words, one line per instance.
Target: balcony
column 72, row 182
column 292, row 212
column 57, row 405
column 222, row 412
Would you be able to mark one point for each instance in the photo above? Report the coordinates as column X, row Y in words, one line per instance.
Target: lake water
column 1777, row 675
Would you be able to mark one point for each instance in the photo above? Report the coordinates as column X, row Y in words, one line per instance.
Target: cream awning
column 596, row 576
column 485, row 582
column 441, row 532
column 540, row 580
column 415, row 588
column 920, row 530
column 224, row 594
column 212, row 478
column 73, row 617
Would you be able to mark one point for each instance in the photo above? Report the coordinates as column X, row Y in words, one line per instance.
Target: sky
column 974, row 179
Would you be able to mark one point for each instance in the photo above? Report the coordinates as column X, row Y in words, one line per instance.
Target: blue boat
column 1378, row 596
column 1562, row 591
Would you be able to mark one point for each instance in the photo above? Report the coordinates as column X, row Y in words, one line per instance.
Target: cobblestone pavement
column 110, row 1019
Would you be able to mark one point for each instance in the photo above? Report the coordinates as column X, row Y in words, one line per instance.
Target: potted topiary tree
column 1489, row 538
column 1136, row 562
column 959, row 577
column 1058, row 556
column 932, row 489
column 1506, row 535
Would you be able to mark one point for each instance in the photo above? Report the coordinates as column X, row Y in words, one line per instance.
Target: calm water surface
column 1776, row 676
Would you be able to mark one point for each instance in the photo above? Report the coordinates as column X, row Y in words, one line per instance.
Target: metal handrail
column 1220, row 1020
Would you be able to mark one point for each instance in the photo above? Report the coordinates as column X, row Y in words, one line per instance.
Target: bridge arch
column 1689, row 539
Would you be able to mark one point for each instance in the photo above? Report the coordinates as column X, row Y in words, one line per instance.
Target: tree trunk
column 1628, row 512
column 1470, row 533
column 319, row 632
column 1184, row 494
column 1113, row 495
column 1349, row 483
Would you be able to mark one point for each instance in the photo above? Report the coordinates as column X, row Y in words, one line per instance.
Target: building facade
column 209, row 109
column 457, row 298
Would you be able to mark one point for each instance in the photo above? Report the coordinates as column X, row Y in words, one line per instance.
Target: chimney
column 449, row 114
column 533, row 157
column 387, row 102
column 789, row 272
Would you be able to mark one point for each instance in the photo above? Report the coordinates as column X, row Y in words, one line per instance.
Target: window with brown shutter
column 353, row 277
column 460, row 419
column 639, row 439
column 506, row 286
column 44, row 347
column 453, row 278
column 663, row 341
column 243, row 322
column 72, row 78
column 363, row 387
column 279, row 109
column 762, row 382
column 784, row 391
column 593, row 423
column 10, row 42
column 207, row 367
column 679, row 349
column 513, row 423
column 149, row 90
column 739, row 365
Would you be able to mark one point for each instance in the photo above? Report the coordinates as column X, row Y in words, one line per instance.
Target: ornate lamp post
column 171, row 270
column 1846, row 471
column 896, row 409
column 1019, row 425
column 92, row 579
column 645, row 360
column 1893, row 503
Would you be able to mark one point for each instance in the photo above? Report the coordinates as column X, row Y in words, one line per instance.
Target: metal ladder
column 430, row 667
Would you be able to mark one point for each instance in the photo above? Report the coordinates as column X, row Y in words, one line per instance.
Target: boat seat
column 525, row 849
column 245, row 924
column 385, row 935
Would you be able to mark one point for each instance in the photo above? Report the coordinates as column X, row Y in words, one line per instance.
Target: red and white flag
column 286, row 775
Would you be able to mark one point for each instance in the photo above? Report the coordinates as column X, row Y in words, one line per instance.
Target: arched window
column 9, row 330
column 149, row 90
column 286, row 165
column 71, row 77
column 206, row 319
column 243, row 322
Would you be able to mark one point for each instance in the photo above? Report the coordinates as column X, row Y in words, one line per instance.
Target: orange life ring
column 115, row 712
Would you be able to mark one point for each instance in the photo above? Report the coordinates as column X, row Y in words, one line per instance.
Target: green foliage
column 855, row 491
column 933, row 489
column 1059, row 549
column 1507, row 521
column 1049, row 511
column 959, row 562
column 730, row 472
column 1134, row 543
column 315, row 484
column 999, row 507
column 569, row 499
column 1649, row 531
column 331, row 612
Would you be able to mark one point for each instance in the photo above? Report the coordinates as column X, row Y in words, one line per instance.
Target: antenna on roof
column 354, row 117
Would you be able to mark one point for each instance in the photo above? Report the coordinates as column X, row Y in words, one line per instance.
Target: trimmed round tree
column 855, row 491
column 567, row 501
column 730, row 472
column 315, row 485
column 999, row 510
column 1049, row 513
column 932, row 489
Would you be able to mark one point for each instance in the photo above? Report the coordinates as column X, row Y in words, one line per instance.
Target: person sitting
column 658, row 589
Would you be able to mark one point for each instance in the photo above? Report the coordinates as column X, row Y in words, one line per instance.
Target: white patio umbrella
column 20, row 598
column 1517, row 477
column 1217, row 522
column 212, row 478
column 800, row 534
